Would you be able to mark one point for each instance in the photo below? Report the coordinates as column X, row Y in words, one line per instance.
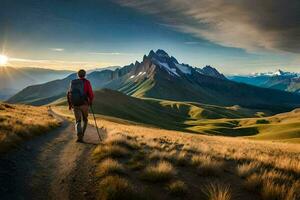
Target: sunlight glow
column 3, row 60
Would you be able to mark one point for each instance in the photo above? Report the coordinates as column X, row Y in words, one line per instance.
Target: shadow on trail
column 49, row 166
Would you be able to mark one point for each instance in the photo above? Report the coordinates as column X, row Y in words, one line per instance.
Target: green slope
column 198, row 118
column 162, row 113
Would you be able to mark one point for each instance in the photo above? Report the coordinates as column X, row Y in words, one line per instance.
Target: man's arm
column 90, row 92
column 69, row 99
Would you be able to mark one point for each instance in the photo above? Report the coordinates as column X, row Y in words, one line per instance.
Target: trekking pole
column 96, row 123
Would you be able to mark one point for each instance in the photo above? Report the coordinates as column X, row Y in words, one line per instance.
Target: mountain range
column 280, row 80
column 160, row 76
column 15, row 79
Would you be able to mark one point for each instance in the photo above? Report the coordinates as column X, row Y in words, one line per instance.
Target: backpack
column 77, row 94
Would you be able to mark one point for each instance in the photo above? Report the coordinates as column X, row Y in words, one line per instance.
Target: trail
column 50, row 166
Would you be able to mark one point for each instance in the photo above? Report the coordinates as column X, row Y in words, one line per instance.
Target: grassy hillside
column 137, row 162
column 162, row 113
column 198, row 118
column 20, row 122
column 142, row 162
column 285, row 126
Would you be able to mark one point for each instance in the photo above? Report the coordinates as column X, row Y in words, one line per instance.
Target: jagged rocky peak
column 162, row 53
column 159, row 53
column 173, row 67
column 174, row 60
column 210, row 71
column 160, row 56
column 137, row 63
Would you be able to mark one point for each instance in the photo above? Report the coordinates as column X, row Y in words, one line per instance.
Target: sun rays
column 3, row 60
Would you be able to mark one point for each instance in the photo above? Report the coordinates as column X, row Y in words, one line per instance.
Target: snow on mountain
column 279, row 72
column 184, row 68
column 171, row 71
column 172, row 66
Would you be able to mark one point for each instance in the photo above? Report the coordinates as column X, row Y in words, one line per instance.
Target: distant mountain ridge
column 15, row 79
column 280, row 80
column 161, row 76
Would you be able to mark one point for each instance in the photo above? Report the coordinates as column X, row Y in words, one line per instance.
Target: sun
column 3, row 60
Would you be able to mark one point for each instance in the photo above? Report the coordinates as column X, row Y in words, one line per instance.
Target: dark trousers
column 81, row 114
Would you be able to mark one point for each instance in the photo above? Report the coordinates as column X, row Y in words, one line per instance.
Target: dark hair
column 81, row 73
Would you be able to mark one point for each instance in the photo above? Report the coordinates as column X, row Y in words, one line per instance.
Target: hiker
column 80, row 97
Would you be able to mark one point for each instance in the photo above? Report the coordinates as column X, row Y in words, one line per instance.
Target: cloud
column 254, row 25
column 192, row 43
column 56, row 64
column 110, row 53
column 46, row 61
column 57, row 49
column 105, row 53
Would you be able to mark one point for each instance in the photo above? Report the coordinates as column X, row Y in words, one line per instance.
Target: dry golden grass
column 246, row 169
column 19, row 122
column 109, row 166
column 182, row 159
column 273, row 185
column 113, row 151
column 177, row 188
column 267, row 169
column 162, row 171
column 206, row 166
column 115, row 187
column 217, row 191
column 162, row 155
column 122, row 140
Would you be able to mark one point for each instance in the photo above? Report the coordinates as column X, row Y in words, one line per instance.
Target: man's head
column 81, row 73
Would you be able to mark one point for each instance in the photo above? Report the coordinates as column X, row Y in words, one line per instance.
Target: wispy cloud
column 105, row 53
column 191, row 43
column 110, row 53
column 57, row 49
column 56, row 64
column 46, row 61
column 253, row 25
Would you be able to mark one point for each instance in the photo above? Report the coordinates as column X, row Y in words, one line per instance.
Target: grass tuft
column 115, row 188
column 253, row 183
column 162, row 171
column 123, row 141
column 272, row 191
column 113, row 151
column 108, row 167
column 206, row 166
column 217, row 191
column 245, row 170
column 177, row 188
column 182, row 159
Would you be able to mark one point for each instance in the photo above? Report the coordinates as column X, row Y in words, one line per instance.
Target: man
column 80, row 96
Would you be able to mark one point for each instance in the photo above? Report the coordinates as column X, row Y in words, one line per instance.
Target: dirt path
column 50, row 166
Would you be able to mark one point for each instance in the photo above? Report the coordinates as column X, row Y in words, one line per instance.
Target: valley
column 161, row 92
column 196, row 118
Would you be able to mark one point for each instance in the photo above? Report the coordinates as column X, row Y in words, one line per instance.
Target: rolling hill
column 15, row 79
column 160, row 76
column 194, row 117
column 163, row 113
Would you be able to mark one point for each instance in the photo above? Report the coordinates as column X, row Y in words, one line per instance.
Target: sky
column 236, row 37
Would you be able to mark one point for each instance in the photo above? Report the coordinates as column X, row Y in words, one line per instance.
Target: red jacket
column 87, row 90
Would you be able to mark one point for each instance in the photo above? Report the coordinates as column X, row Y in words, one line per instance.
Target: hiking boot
column 79, row 140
